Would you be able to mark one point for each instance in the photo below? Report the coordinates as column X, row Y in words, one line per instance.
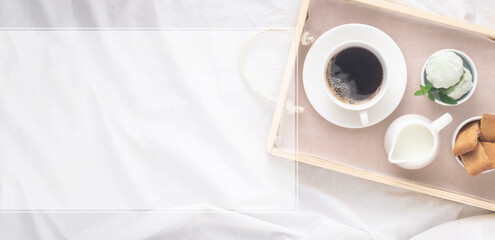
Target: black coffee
column 354, row 75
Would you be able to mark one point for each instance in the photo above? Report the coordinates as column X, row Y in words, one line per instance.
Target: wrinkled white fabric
column 109, row 120
column 330, row 205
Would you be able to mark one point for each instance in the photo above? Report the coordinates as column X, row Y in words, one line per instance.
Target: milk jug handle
column 441, row 122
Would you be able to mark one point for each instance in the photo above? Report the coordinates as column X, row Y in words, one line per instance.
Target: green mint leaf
column 446, row 99
column 419, row 93
column 431, row 97
column 432, row 89
column 428, row 86
column 423, row 88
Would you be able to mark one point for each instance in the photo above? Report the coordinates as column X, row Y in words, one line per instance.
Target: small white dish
column 454, row 136
column 317, row 93
column 468, row 63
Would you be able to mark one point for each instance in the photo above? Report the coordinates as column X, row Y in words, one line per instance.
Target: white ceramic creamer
column 412, row 141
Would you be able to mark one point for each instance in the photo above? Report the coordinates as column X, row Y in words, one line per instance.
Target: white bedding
column 209, row 135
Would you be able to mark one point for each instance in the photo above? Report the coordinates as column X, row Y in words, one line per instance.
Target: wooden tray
column 286, row 90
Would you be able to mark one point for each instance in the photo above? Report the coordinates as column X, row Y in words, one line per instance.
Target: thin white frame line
column 296, row 102
column 219, row 210
column 133, row 29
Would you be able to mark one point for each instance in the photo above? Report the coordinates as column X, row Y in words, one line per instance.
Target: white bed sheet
column 111, row 120
column 331, row 205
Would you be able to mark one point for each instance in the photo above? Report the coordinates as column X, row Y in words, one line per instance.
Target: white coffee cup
column 362, row 108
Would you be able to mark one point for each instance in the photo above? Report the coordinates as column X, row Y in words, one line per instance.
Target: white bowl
column 454, row 136
column 468, row 63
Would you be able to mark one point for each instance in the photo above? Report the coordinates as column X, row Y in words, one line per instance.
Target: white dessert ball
column 462, row 87
column 444, row 69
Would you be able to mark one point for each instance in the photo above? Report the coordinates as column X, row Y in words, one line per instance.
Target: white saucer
column 312, row 74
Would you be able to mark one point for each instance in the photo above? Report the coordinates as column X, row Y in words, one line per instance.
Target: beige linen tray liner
column 363, row 148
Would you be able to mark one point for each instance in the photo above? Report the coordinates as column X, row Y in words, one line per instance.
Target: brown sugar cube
column 476, row 161
column 467, row 139
column 490, row 151
column 487, row 129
